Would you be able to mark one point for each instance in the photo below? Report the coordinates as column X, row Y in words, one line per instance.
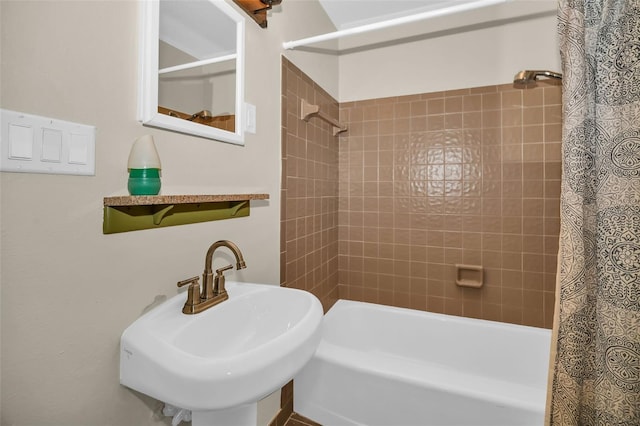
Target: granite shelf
column 132, row 213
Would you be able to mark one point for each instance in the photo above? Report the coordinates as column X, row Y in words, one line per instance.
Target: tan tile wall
column 418, row 184
column 309, row 212
column 432, row 180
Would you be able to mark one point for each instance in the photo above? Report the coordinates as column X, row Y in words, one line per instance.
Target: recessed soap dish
column 469, row 276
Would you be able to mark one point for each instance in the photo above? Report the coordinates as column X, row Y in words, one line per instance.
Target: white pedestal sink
column 220, row 362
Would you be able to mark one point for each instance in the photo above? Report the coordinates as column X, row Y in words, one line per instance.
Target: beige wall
column 68, row 291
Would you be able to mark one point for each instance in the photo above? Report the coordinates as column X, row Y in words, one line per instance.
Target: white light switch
column 20, row 142
column 78, row 149
column 35, row 144
column 51, row 145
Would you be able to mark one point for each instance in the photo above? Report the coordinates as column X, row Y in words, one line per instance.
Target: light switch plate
column 34, row 144
column 250, row 117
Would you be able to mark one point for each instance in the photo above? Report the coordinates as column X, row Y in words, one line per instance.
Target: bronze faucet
column 213, row 291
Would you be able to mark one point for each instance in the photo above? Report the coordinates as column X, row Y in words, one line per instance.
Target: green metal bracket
column 133, row 218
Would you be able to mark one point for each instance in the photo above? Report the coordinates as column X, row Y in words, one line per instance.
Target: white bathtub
column 379, row 365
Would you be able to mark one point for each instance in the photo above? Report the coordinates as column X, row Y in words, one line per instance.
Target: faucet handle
column 193, row 280
column 193, row 294
column 221, row 270
column 218, row 281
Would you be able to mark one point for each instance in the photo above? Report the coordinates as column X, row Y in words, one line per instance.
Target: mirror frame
column 148, row 113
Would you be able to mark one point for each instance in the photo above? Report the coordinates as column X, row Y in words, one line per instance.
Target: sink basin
column 232, row 354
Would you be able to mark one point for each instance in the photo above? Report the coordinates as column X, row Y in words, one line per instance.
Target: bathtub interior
column 493, row 349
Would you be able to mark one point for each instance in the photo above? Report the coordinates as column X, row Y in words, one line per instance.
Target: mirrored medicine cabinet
column 192, row 68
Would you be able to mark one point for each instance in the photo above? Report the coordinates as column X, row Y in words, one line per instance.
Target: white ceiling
column 352, row 13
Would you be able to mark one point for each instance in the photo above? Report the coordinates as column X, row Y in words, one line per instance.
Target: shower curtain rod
column 392, row 22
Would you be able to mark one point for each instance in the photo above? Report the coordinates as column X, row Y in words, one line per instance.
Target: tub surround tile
column 309, row 217
column 383, row 212
column 465, row 176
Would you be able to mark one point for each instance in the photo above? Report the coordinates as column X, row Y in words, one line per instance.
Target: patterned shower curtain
column 596, row 369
